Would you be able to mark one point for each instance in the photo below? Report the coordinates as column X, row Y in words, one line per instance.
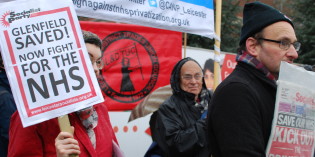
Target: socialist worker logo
column 131, row 67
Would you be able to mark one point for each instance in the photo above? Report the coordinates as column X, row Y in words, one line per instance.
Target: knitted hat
column 257, row 16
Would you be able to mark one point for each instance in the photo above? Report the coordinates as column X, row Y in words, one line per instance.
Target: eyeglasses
column 284, row 44
column 189, row 77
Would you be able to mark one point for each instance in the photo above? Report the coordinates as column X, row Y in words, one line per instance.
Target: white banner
column 46, row 60
column 191, row 16
column 294, row 117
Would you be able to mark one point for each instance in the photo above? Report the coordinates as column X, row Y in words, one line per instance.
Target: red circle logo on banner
column 129, row 59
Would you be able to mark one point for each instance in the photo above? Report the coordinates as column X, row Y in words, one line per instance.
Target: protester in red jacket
column 93, row 133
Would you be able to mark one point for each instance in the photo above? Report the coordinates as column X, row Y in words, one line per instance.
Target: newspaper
column 293, row 125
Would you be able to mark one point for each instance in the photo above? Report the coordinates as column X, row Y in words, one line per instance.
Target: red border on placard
column 58, row 104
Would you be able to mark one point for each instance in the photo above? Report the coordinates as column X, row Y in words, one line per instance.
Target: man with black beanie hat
column 242, row 107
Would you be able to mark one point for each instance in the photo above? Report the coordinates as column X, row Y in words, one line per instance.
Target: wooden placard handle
column 65, row 126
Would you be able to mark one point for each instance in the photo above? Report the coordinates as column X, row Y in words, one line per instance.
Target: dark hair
column 209, row 65
column 92, row 38
column 243, row 45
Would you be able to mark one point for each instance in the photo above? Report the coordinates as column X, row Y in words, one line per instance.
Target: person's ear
column 251, row 46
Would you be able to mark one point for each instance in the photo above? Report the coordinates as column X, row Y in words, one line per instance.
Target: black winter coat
column 177, row 126
column 241, row 113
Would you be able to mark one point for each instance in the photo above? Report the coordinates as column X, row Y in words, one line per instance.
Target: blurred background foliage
column 301, row 12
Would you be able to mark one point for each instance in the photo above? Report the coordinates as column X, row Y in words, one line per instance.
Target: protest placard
column 294, row 119
column 46, row 60
column 191, row 16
